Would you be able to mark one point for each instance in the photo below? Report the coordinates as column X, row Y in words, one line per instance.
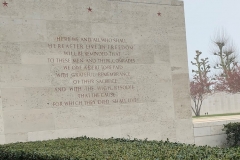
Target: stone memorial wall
column 220, row 103
column 100, row 68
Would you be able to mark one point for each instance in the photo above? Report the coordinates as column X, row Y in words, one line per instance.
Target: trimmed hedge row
column 119, row 149
column 233, row 133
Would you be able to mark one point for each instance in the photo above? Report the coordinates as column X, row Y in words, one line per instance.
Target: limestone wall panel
column 183, row 128
column 53, row 134
column 2, row 137
column 21, row 121
column 154, row 92
column 168, row 130
column 10, row 53
column 22, row 30
column 177, row 48
column 19, row 75
column 154, row 111
column 56, row 28
column 145, row 130
column 13, row 98
column 99, row 68
column 161, row 54
column 152, row 73
column 76, row 117
column 35, row 48
column 16, row 137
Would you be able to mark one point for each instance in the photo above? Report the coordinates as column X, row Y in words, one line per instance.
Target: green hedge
column 233, row 133
column 120, row 149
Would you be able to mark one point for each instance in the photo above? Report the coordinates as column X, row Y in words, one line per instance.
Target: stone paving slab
column 217, row 118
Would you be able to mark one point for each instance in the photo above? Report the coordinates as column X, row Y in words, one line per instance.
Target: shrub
column 85, row 148
column 233, row 133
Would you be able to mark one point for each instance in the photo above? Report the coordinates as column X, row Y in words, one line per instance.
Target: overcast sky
column 204, row 18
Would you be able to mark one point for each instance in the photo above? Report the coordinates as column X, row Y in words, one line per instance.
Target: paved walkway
column 216, row 118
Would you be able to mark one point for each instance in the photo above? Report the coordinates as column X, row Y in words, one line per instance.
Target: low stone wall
column 208, row 131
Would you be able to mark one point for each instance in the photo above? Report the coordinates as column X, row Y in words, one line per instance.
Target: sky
column 204, row 19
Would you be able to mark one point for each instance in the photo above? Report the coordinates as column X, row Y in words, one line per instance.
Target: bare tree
column 200, row 85
column 227, row 62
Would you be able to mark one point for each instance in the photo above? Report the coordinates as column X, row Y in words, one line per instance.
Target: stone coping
column 218, row 120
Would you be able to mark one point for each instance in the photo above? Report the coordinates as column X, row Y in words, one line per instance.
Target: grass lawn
column 215, row 115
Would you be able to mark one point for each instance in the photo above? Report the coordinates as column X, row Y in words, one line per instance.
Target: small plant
column 233, row 133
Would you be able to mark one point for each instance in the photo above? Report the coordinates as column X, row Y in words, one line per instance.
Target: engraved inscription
column 93, row 68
